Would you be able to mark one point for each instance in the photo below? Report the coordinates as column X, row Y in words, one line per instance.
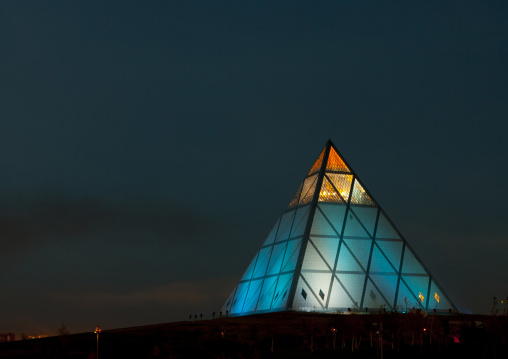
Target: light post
column 97, row 331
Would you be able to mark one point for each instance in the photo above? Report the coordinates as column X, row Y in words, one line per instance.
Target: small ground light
column 97, row 331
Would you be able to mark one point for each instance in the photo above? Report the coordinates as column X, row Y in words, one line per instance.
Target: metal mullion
column 341, row 239
column 380, row 292
column 370, row 260
column 410, row 290
column 335, row 189
column 319, row 253
column 343, row 287
column 310, row 219
column 386, row 257
column 428, row 293
column 284, row 256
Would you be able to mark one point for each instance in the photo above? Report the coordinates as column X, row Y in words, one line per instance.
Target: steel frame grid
column 321, row 173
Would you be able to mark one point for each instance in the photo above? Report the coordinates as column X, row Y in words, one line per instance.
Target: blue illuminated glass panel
column 300, row 222
column 267, row 292
column 291, row 255
column 252, row 296
column 385, row 229
column 276, row 258
column 354, row 228
column 347, row 261
column 374, row 299
column 327, row 247
column 281, row 292
column 313, row 260
column 353, row 285
column 387, row 284
column 262, row 262
column 393, row 250
column 239, row 300
column 271, row 237
column 379, row 263
column 321, row 226
column 366, row 216
column 335, row 215
column 360, row 248
column 285, row 226
column 318, row 282
column 410, row 264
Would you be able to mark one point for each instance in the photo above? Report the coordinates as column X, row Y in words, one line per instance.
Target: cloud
column 37, row 220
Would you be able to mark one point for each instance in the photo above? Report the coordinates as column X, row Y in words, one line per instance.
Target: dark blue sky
column 147, row 149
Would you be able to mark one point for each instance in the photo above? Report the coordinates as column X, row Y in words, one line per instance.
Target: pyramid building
column 334, row 249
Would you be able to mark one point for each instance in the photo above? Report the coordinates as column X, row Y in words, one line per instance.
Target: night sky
column 147, row 148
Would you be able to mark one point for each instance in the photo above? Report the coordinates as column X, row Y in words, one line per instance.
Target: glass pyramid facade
column 334, row 249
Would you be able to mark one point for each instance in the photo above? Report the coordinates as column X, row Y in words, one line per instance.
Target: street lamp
column 97, row 331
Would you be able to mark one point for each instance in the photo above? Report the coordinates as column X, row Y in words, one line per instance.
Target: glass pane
column 267, row 292
column 276, row 258
column 347, row 262
column 252, row 296
column 327, row 247
column 393, row 250
column 342, row 183
column 264, row 256
column 296, row 197
column 291, row 255
column 366, row 216
column 410, row 264
column 354, row 228
column 282, row 292
column 271, row 237
column 339, row 298
column 405, row 299
column 300, row 222
column 312, row 260
column 335, row 163
column 353, row 285
column 374, row 299
column 387, row 284
column 328, row 193
column 317, row 165
column 239, row 300
column 285, row 226
column 309, row 187
column 360, row 196
column 319, row 282
column 360, row 248
column 438, row 300
column 379, row 263
column 385, row 229
column 307, row 302
column 250, row 268
column 321, row 226
column 419, row 285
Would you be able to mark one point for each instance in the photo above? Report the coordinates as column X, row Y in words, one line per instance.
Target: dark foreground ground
column 286, row 335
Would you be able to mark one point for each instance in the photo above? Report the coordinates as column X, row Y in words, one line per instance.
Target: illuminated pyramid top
column 334, row 249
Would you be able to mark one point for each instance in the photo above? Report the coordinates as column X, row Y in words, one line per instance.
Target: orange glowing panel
column 317, row 164
column 342, row 183
column 436, row 296
column 296, row 197
column 422, row 298
column 328, row 193
column 309, row 186
column 335, row 163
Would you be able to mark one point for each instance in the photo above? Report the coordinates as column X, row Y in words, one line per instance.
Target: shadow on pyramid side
column 334, row 249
